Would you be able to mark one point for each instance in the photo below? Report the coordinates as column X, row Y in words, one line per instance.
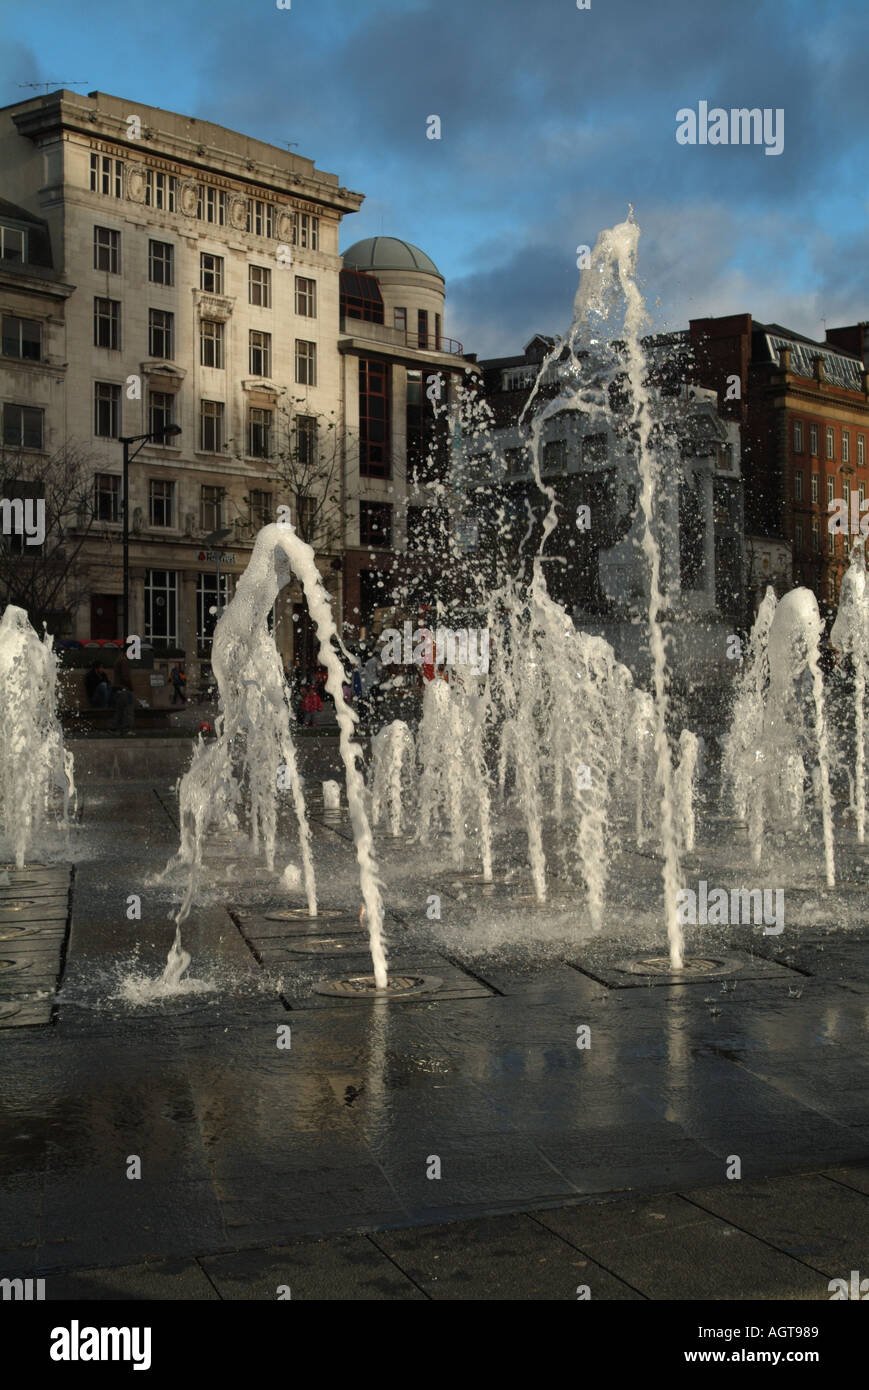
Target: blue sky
column 554, row 120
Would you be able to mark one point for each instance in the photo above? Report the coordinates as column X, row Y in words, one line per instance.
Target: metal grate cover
column 325, row 945
column 301, row 914
column 363, row 987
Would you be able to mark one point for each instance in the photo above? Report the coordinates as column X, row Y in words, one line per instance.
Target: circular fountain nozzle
column 302, row 914
column 365, row 987
column 693, row 968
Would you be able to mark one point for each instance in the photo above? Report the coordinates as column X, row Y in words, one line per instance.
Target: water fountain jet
column 254, row 725
column 33, row 760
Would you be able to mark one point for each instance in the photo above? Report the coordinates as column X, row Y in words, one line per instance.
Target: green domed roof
column 388, row 253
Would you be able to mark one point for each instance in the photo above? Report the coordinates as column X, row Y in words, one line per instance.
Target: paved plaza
column 541, row 1121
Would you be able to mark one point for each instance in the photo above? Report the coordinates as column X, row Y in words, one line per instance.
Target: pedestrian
column 178, row 678
column 123, row 681
column 320, row 683
column 97, row 685
column 311, row 706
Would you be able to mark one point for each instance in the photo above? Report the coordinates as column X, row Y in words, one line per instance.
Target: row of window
column 161, row 606
column 830, row 443
column 161, row 594
column 162, row 590
column 212, row 334
column 212, row 204
column 24, row 426
column 833, row 538
column 553, row 455
column 375, row 419
column 161, row 271
column 162, row 503
column 816, row 488
column 375, row 518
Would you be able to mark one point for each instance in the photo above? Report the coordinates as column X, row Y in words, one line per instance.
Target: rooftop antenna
column 49, row 85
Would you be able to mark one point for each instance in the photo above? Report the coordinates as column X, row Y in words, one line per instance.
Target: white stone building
column 397, row 365
column 203, row 291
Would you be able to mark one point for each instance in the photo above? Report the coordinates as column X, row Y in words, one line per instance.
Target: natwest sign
column 218, row 557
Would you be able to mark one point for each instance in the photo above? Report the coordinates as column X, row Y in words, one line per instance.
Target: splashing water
column 793, row 648
column 331, row 796
column 33, row 761
column 850, row 634
column 254, row 731
column 608, row 288
column 684, row 782
column 392, row 773
column 771, row 732
column 743, row 744
column 454, row 778
column 618, row 250
column 643, row 758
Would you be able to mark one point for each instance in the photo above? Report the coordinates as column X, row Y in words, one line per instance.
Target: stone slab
column 350, row 1268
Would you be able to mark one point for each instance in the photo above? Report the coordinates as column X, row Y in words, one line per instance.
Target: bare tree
column 305, row 465
column 50, row 578
column 305, row 471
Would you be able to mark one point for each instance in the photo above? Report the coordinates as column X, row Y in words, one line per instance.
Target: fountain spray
column 256, row 720
column 33, row 761
column 850, row 634
column 608, row 282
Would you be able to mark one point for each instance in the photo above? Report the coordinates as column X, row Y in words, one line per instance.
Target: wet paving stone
column 248, row 1148
column 344, row 1268
column 672, row 1250
column 140, row 1220
column 646, row 1154
column 31, row 910
column 507, row 1257
column 34, row 926
column 810, row 1217
column 158, row 1280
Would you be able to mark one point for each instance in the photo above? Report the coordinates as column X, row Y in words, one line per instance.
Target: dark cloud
column 554, row 120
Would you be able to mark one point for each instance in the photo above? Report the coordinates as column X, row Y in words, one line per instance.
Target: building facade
column 33, row 367
column 205, row 268
column 401, row 376
column 205, row 293
column 803, row 412
column 596, row 539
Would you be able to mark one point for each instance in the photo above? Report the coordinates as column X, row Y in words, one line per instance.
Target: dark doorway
column 104, row 616
column 305, row 643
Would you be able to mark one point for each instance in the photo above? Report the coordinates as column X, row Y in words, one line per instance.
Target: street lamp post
column 214, row 538
column 155, row 437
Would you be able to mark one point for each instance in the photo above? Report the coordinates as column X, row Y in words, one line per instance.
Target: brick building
column 803, row 411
